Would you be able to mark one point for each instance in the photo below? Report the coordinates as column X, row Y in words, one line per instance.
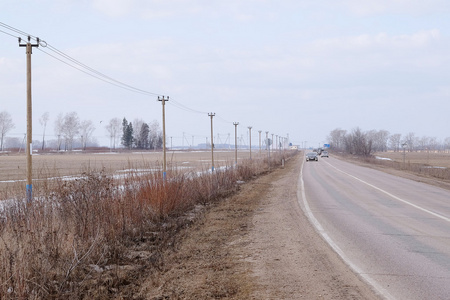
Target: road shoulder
column 288, row 258
column 257, row 244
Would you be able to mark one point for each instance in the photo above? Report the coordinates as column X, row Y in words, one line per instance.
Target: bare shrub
column 77, row 234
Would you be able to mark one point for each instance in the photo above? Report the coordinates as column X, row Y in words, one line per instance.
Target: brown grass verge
column 432, row 170
column 75, row 239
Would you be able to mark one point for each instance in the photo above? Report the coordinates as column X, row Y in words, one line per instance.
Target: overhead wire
column 8, row 33
column 100, row 74
column 184, row 107
column 85, row 72
column 222, row 119
column 16, row 30
column 72, row 62
column 77, row 64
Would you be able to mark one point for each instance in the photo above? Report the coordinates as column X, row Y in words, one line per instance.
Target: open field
column 13, row 166
column 434, row 159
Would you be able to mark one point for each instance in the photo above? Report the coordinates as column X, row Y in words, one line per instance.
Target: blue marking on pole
column 164, row 176
column 29, row 192
column 212, row 169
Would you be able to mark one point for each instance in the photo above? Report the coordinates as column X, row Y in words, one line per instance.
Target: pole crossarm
column 26, row 44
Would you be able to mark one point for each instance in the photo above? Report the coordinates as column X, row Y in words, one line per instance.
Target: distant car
column 324, row 154
column 312, row 156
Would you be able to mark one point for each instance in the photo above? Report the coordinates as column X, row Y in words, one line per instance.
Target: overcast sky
column 293, row 67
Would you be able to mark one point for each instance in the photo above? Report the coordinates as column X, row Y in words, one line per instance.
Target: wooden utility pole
column 250, row 140
column 163, row 102
column 268, row 147
column 235, row 142
column 29, row 147
column 404, row 154
column 272, row 142
column 276, row 139
column 212, row 141
column 259, row 141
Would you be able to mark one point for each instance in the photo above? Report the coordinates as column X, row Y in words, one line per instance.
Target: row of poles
column 163, row 100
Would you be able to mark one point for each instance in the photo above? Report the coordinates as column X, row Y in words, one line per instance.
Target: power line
column 184, row 107
column 226, row 121
column 72, row 62
column 8, row 33
column 100, row 74
column 16, row 30
column 97, row 77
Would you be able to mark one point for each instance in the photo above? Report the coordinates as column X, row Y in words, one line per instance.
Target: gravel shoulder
column 257, row 244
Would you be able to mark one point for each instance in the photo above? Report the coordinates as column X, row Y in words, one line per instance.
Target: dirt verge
column 257, row 244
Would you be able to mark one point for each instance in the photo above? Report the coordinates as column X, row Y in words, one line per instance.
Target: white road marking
column 393, row 196
column 378, row 288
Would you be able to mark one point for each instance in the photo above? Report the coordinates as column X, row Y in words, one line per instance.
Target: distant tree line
column 70, row 132
column 141, row 135
column 365, row 143
column 68, row 127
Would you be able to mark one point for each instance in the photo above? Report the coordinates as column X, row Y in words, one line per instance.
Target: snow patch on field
column 382, row 158
column 105, row 153
column 434, row 167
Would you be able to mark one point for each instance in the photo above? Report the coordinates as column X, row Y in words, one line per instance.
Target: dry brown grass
column 436, row 159
column 49, row 165
column 75, row 239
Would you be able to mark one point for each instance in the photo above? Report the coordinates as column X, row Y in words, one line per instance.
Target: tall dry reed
column 75, row 234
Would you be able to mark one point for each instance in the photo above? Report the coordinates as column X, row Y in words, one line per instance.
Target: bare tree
column 394, row 141
column 447, row 144
column 43, row 120
column 382, row 140
column 71, row 127
column 336, row 138
column 379, row 139
column 422, row 143
column 372, row 135
column 433, row 143
column 137, row 125
column 358, row 143
column 6, row 124
column 155, row 135
column 59, row 128
column 86, row 128
column 15, row 142
column 114, row 130
column 410, row 140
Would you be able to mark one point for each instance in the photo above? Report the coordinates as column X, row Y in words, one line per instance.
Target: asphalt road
column 392, row 231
